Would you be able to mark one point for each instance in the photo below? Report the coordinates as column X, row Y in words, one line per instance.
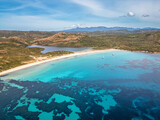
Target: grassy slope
column 61, row 39
column 14, row 53
column 135, row 42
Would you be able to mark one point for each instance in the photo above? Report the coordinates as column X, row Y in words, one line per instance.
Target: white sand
column 55, row 58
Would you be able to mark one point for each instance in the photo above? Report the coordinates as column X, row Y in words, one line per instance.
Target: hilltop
column 25, row 34
column 61, row 39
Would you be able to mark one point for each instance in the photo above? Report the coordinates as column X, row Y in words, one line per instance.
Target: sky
column 54, row 15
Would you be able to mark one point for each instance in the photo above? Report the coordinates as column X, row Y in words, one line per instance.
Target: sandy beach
column 54, row 59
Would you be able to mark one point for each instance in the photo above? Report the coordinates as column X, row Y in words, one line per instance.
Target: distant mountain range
column 102, row 28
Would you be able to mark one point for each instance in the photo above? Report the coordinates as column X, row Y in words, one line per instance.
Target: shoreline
column 53, row 59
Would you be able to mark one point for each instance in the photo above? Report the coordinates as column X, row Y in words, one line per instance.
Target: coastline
column 55, row 58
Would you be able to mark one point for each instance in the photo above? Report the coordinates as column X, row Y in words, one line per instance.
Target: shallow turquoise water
column 114, row 65
column 97, row 86
column 89, row 67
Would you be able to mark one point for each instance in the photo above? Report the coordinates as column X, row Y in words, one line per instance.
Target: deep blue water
column 117, row 85
column 52, row 48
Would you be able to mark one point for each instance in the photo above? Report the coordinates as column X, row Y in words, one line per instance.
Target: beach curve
column 54, row 59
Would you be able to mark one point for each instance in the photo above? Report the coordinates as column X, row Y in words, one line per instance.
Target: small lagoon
column 118, row 85
column 52, row 48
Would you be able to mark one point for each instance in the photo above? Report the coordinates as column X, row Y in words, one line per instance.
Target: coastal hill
column 25, row 34
column 14, row 51
column 61, row 39
column 147, row 41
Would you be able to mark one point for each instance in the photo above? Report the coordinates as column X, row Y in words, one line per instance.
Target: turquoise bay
column 99, row 66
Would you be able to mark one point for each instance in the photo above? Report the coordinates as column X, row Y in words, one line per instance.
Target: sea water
column 107, row 85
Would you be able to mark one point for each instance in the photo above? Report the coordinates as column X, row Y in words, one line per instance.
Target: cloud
column 78, row 25
column 43, row 23
column 73, row 26
column 56, row 15
column 34, row 4
column 15, row 8
column 142, row 7
column 145, row 15
column 130, row 14
column 46, row 23
column 22, row 5
column 96, row 8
